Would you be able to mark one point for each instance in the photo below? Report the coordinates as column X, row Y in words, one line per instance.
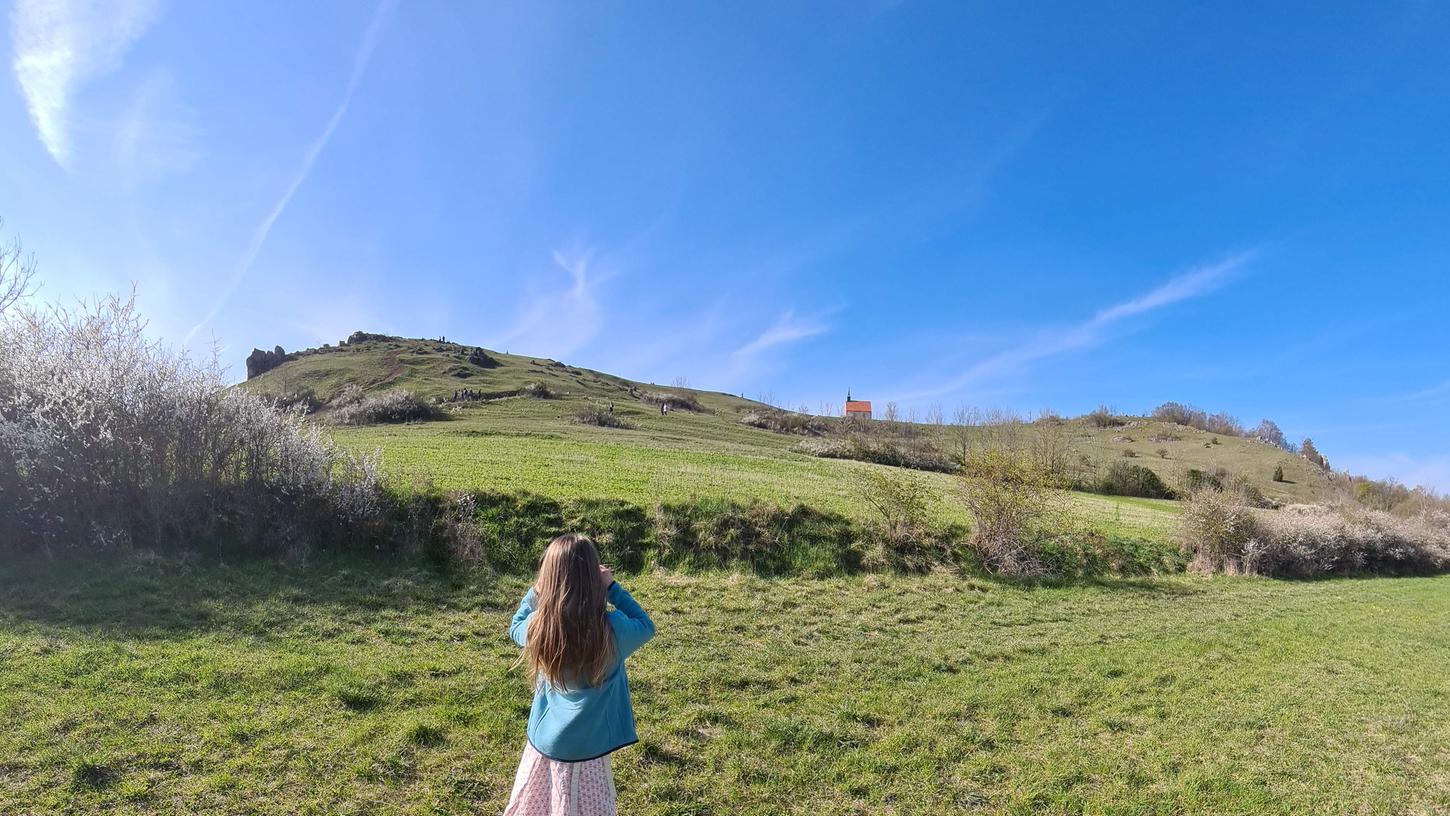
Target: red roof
column 858, row 406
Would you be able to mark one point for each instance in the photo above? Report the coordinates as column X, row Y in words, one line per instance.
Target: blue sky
column 1233, row 205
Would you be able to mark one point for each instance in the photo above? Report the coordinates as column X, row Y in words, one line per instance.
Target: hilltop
column 440, row 369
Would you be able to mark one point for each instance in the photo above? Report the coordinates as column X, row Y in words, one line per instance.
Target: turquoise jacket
column 587, row 723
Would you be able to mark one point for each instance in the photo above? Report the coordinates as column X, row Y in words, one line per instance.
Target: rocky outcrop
column 260, row 362
column 481, row 358
column 367, row 337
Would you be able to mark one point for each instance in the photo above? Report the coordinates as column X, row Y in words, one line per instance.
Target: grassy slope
column 521, row 444
column 528, row 445
column 149, row 686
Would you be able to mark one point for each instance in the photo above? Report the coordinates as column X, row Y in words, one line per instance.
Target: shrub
column 300, row 399
column 592, row 414
column 388, row 407
column 1103, row 417
column 786, row 422
column 1222, row 534
column 1128, row 453
column 770, row 540
column 350, row 394
column 675, row 400
column 1050, row 450
column 916, row 453
column 538, row 390
column 1124, row 479
column 903, row 536
column 1192, row 417
column 1215, row 529
column 108, row 439
column 1248, row 492
column 1307, row 540
column 456, row 537
column 1278, row 473
column 1014, row 512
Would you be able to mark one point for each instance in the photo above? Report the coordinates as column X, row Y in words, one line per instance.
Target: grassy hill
column 513, row 443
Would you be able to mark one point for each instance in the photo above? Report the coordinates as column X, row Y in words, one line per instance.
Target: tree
column 1279, row 473
column 1268, row 431
column 963, row 419
column 17, row 271
column 1308, row 451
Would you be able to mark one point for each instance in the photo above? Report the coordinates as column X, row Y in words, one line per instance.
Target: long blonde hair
column 569, row 638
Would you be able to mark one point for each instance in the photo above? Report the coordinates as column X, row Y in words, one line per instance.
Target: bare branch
column 17, row 273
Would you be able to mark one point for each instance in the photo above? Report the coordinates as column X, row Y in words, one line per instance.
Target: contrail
column 371, row 37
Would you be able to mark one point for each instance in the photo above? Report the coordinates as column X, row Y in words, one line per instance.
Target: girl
column 574, row 650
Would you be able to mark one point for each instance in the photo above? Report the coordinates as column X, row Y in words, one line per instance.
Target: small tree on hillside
column 934, row 414
column 1268, row 431
column 1279, row 473
column 963, row 420
column 1308, row 451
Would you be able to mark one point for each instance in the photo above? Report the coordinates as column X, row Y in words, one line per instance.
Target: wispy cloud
column 750, row 360
column 376, row 26
column 785, row 330
column 556, row 323
column 62, row 44
column 1435, row 394
column 1195, row 283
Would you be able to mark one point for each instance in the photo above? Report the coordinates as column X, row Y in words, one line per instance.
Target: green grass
column 530, row 446
column 150, row 685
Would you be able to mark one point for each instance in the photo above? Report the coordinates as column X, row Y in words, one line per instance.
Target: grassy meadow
column 525, row 445
column 149, row 685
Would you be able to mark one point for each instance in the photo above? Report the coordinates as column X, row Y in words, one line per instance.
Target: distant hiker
column 611, row 406
column 664, row 408
column 574, row 650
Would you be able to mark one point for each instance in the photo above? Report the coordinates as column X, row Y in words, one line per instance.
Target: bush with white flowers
column 110, row 438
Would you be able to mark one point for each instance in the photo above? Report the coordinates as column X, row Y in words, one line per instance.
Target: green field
column 150, row 685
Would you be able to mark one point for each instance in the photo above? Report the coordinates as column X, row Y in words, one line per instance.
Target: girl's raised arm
column 633, row 628
column 519, row 628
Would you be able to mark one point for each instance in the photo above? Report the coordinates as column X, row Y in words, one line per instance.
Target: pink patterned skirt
column 547, row 787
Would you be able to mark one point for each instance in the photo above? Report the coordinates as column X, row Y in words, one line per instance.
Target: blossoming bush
column 1222, row 534
column 1306, row 540
column 108, row 439
column 396, row 405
